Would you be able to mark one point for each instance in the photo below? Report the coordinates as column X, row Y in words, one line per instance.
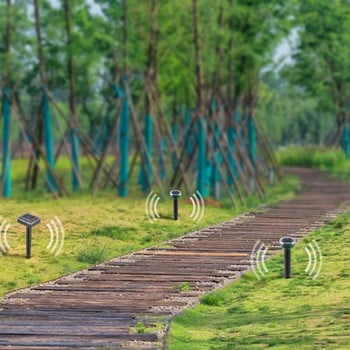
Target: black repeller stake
column 29, row 221
column 287, row 243
column 175, row 194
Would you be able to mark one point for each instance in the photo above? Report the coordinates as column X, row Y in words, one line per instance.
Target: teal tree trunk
column 231, row 137
column 213, row 175
column 6, row 151
column 96, row 140
column 202, row 163
column 106, row 128
column 252, row 139
column 75, row 154
column 124, row 149
column 163, row 150
column 146, row 178
column 49, row 143
column 74, row 137
column 215, row 170
column 346, row 141
column 175, row 137
column 188, row 136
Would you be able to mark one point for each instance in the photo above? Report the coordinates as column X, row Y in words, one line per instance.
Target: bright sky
column 94, row 7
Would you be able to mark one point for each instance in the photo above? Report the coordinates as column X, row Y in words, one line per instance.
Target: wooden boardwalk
column 102, row 307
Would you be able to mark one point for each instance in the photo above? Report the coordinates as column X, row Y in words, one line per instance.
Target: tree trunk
column 201, row 121
column 198, row 62
column 72, row 104
column 150, row 82
column 6, row 111
column 44, row 116
column 217, row 79
column 41, row 57
column 125, row 39
column 230, row 83
column 39, row 127
column 7, row 43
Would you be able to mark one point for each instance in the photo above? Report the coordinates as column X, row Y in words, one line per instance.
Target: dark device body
column 175, row 194
column 29, row 221
column 287, row 243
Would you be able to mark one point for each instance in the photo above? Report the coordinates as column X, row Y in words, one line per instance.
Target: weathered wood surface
column 99, row 308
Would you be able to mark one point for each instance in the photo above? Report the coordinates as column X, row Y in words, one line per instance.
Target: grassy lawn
column 97, row 228
column 299, row 313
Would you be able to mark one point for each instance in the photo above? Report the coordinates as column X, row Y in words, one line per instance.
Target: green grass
column 331, row 160
column 97, row 228
column 299, row 313
column 312, row 157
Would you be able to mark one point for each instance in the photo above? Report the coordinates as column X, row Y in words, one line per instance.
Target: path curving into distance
column 104, row 306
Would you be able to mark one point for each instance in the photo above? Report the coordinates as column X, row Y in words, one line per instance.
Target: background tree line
column 150, row 43
column 140, row 40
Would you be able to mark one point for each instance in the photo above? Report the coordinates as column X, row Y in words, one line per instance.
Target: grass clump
column 140, row 328
column 93, row 254
column 217, row 298
column 183, row 287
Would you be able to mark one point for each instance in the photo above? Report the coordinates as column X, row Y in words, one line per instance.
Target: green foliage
column 322, row 64
column 240, row 32
column 14, row 26
column 312, row 157
column 288, row 116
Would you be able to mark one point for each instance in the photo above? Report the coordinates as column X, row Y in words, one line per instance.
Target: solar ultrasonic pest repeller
column 287, row 243
column 29, row 221
column 175, row 194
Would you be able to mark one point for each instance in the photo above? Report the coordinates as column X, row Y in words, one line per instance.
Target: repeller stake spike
column 175, row 194
column 29, row 221
column 287, row 243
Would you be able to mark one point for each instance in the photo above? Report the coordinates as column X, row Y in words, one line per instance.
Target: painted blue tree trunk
column 163, row 150
column 174, row 133
column 252, row 139
column 96, row 140
column 202, row 181
column 49, row 143
column 346, row 141
column 214, row 175
column 106, row 130
column 6, row 151
column 145, row 179
column 231, row 138
column 215, row 168
column 188, row 137
column 75, row 154
column 124, row 149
